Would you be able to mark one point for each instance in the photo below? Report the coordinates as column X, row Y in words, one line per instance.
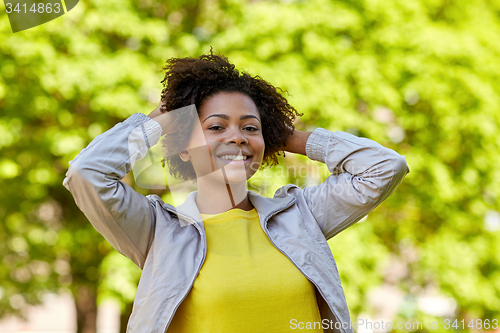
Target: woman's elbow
column 401, row 167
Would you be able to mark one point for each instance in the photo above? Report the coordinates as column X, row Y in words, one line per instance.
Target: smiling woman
column 231, row 126
column 195, row 81
column 228, row 259
column 232, row 119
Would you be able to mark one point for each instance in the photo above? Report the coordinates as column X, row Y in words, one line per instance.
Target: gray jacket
column 298, row 221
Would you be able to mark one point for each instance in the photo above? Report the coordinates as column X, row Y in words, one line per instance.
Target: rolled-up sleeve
column 124, row 217
column 363, row 174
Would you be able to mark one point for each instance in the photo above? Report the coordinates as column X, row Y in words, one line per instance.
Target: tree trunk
column 125, row 316
column 86, row 309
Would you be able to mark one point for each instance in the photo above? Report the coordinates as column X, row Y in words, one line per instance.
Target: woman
column 228, row 259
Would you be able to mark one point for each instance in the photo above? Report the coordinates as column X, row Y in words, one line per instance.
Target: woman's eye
column 251, row 128
column 215, row 128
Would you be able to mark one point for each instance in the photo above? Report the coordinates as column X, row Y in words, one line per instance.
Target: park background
column 419, row 76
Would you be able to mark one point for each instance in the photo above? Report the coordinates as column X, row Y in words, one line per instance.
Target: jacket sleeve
column 363, row 174
column 124, row 217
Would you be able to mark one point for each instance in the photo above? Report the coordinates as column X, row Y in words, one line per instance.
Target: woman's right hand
column 182, row 119
column 165, row 119
column 156, row 112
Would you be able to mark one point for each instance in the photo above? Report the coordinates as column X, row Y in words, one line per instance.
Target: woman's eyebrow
column 223, row 116
column 246, row 116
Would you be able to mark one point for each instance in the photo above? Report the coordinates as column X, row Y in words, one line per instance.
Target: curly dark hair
column 193, row 80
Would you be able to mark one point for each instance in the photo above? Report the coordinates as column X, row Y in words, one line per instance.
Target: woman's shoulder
column 285, row 196
column 156, row 201
column 287, row 190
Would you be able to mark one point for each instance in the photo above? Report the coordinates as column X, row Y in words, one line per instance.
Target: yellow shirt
column 245, row 283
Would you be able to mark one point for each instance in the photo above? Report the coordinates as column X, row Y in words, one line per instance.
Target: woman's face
column 230, row 138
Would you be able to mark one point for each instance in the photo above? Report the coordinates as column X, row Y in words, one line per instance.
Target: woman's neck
column 219, row 197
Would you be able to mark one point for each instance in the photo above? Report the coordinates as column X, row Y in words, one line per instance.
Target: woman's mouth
column 235, row 159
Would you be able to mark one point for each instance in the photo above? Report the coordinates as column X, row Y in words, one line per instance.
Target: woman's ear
column 184, row 155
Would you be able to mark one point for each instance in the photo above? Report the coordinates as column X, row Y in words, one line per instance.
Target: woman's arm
column 123, row 216
column 363, row 174
column 296, row 143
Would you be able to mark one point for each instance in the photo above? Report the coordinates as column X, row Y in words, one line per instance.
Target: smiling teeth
column 234, row 157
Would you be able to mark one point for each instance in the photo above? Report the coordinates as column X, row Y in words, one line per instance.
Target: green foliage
column 418, row 76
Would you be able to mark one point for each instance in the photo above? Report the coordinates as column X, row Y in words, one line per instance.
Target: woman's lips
column 236, row 162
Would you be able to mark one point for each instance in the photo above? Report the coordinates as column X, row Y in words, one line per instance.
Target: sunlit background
column 420, row 77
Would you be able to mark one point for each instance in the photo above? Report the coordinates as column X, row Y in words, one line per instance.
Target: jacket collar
column 188, row 212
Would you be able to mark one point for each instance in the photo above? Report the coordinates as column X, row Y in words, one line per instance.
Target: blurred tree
column 419, row 76
column 62, row 84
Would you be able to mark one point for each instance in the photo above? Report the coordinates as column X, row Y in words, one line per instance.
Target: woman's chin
column 220, row 177
column 230, row 173
column 235, row 178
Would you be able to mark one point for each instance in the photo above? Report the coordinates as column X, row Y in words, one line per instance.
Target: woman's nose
column 236, row 136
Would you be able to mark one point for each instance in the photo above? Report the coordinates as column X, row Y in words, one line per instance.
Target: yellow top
column 245, row 284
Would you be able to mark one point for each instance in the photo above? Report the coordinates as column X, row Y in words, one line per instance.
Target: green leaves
column 419, row 77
